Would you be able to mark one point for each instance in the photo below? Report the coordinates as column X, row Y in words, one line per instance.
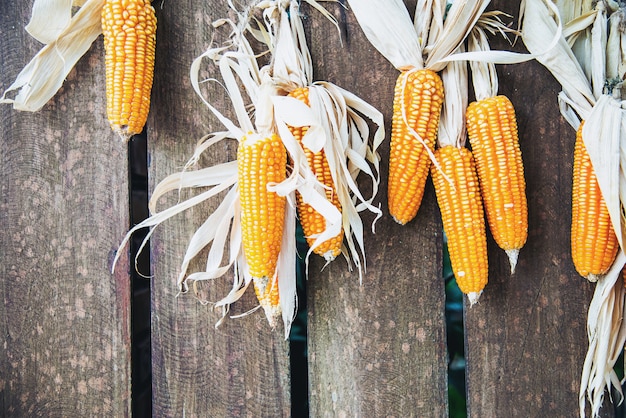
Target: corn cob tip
column 473, row 297
column 273, row 314
column 513, row 254
column 592, row 277
column 123, row 132
column 267, row 294
column 398, row 220
column 329, row 255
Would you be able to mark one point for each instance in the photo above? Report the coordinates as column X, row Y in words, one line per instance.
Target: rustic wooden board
column 526, row 338
column 64, row 328
column 376, row 349
column 242, row 368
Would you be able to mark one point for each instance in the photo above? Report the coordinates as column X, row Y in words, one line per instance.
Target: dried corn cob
column 313, row 222
column 458, row 196
column 492, row 131
column 129, row 29
column 261, row 161
column 594, row 243
column 418, row 99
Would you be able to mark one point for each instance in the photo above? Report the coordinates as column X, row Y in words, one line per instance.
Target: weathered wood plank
column 242, row 368
column 526, row 338
column 64, row 318
column 376, row 349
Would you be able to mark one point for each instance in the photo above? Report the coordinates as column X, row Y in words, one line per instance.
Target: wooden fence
column 376, row 349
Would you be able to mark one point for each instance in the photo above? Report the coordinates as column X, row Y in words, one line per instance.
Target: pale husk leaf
column 560, row 61
column 614, row 55
column 452, row 129
column 43, row 76
column 388, row 26
column 572, row 9
column 578, row 36
column 286, row 261
column 49, row 18
column 598, row 52
column 484, row 76
column 604, row 135
column 461, row 18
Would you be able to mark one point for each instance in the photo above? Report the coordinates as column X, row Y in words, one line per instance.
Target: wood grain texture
column 241, row 368
column 526, row 338
column 64, row 318
column 376, row 349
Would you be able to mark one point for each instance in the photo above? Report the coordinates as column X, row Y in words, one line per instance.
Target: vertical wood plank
column 526, row 338
column 241, row 368
column 376, row 349
column 64, row 318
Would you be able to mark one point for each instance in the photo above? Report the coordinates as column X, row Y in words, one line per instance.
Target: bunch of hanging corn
column 589, row 65
column 421, row 49
column 253, row 217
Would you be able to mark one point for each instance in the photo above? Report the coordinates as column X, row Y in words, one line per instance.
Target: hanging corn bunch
column 421, row 49
column 129, row 29
column 257, row 217
column 492, row 131
column 588, row 63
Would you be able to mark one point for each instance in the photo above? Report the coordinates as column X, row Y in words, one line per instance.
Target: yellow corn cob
column 313, row 222
column 261, row 161
column 594, row 243
column 492, row 131
column 129, row 29
column 419, row 95
column 458, row 196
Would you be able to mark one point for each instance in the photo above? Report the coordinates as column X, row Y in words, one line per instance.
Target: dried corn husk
column 452, row 127
column 66, row 37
